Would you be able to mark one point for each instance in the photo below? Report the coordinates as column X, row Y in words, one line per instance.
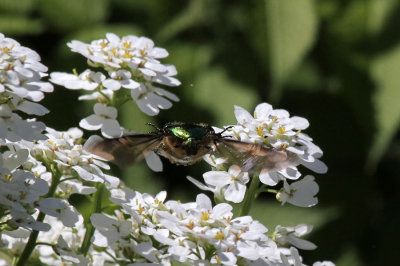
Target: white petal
column 48, row 205
column 32, row 108
column 70, row 217
column 269, row 178
column 166, row 93
column 155, row 67
column 154, row 162
column 242, row 116
column 203, row 202
column 111, row 129
column 217, row 178
column 299, row 122
column 92, row 122
column 317, row 166
column 262, row 111
column 235, row 192
column 111, row 84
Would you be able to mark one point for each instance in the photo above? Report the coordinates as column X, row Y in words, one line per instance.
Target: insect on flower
column 185, row 144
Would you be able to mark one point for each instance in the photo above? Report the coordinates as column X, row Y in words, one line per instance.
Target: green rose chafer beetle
column 185, row 144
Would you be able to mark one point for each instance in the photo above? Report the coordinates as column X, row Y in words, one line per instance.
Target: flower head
column 132, row 63
column 277, row 130
column 20, row 88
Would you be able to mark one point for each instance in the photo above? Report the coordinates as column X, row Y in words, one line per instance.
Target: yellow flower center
column 220, row 236
column 205, row 216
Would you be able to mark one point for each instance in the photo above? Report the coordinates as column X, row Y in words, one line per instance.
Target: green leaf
column 216, row 92
column 285, row 38
column 289, row 215
column 20, row 6
column 386, row 102
column 195, row 12
column 378, row 13
column 73, row 14
column 18, row 25
column 349, row 24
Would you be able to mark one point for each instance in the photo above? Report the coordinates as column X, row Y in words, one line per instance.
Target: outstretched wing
column 252, row 156
column 123, row 151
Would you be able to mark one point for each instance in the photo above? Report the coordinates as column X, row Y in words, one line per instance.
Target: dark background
column 336, row 63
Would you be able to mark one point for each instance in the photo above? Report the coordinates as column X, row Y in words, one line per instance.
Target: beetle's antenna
column 225, row 129
column 151, row 124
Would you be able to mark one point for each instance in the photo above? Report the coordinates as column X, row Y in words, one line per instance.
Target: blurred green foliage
column 335, row 62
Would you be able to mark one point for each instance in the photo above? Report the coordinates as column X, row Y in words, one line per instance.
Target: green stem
column 30, row 245
column 44, row 244
column 269, row 190
column 14, row 261
column 96, row 208
column 251, row 195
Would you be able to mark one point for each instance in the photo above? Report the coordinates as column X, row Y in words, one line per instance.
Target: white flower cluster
column 131, row 63
column 62, row 154
column 62, row 240
column 277, row 130
column 20, row 88
column 20, row 193
column 196, row 233
column 24, row 191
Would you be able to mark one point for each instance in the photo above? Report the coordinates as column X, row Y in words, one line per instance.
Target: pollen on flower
column 220, row 236
column 103, row 44
column 205, row 216
column 228, row 219
column 259, row 130
column 281, row 130
column 8, row 176
column 128, row 55
column 90, row 51
column 127, row 44
column 143, row 52
column 22, row 195
column 190, row 225
column 140, row 209
column 233, row 178
column 218, row 260
column 237, row 236
column 236, row 135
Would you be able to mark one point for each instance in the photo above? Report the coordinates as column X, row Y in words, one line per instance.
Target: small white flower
column 104, row 118
column 291, row 235
column 87, row 80
column 13, row 128
column 291, row 257
column 233, row 182
column 150, row 101
column 65, row 240
column 323, row 263
column 109, row 229
column 300, row 193
column 120, row 78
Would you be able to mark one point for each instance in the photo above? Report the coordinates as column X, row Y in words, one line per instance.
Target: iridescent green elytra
column 186, row 144
column 189, row 133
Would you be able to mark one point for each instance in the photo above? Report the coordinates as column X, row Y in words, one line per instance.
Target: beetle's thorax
column 186, row 144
